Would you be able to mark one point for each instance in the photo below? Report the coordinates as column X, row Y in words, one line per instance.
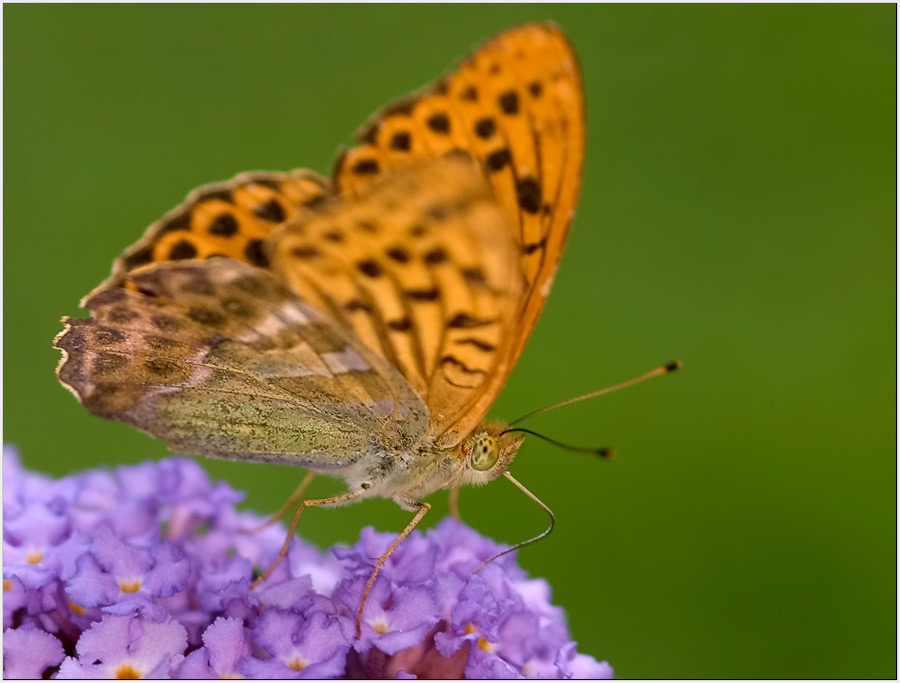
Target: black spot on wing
column 256, row 254
column 398, row 254
column 469, row 94
column 439, row 123
column 529, row 194
column 435, row 256
column 497, row 159
column 369, row 268
column 182, row 250
column 270, row 211
column 485, row 128
column 479, row 344
column 401, row 141
column 464, row 321
column 529, row 249
column 474, row 276
column 225, row 225
column 432, row 294
column 305, row 252
column 453, row 360
column 509, row 103
column 358, row 305
column 400, row 325
column 366, row 167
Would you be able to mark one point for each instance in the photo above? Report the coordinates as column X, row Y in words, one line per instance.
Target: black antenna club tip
column 673, row 366
column 607, row 453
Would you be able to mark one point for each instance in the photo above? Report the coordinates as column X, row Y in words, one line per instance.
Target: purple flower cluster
column 145, row 572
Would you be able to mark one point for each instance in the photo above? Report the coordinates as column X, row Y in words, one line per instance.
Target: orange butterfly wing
column 232, row 218
column 425, row 269
column 517, row 105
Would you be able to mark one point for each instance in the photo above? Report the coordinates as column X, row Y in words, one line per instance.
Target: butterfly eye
column 485, row 453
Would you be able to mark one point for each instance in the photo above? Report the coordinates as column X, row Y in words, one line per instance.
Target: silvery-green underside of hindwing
column 219, row 358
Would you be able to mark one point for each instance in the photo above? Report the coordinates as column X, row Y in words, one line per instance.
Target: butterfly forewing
column 517, row 105
column 219, row 358
column 424, row 268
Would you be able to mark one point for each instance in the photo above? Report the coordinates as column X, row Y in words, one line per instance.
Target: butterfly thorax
column 482, row 456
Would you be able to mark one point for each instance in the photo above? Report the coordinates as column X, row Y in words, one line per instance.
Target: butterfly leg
column 453, row 503
column 421, row 508
column 331, row 501
column 291, row 502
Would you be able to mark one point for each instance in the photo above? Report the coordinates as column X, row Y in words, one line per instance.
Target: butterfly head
column 488, row 452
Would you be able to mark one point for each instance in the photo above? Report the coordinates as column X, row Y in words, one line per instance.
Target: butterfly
column 362, row 325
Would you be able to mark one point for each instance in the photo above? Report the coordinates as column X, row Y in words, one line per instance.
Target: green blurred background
column 738, row 213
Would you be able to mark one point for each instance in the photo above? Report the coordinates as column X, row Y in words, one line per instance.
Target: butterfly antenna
column 530, row 540
column 656, row 372
column 606, row 453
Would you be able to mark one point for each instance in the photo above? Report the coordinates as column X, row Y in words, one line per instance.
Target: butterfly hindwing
column 219, row 358
column 225, row 219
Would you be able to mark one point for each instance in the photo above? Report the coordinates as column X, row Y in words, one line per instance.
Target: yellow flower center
column 7, row 584
column 380, row 627
column 296, row 663
column 130, row 586
column 127, row 671
column 34, row 556
column 483, row 643
column 78, row 609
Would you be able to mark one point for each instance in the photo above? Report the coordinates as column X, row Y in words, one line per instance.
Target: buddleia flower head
column 145, row 571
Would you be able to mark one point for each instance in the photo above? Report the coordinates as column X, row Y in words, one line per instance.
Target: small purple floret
column 145, row 571
column 28, row 652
